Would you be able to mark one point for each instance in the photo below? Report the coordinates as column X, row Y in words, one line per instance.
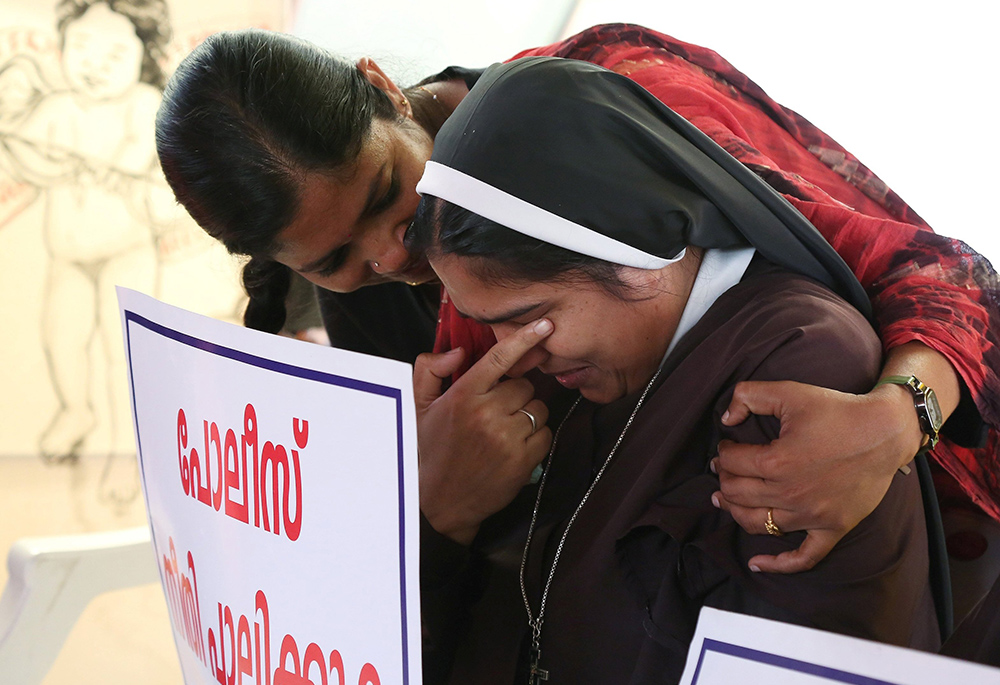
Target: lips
column 572, row 378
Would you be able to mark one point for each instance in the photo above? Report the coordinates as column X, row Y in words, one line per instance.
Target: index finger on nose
column 485, row 373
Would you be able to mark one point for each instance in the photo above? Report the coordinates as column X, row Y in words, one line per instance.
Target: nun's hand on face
column 829, row 468
column 477, row 447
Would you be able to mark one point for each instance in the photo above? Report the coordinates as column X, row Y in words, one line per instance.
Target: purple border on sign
column 709, row 645
column 308, row 374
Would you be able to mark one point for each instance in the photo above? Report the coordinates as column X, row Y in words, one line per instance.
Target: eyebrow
column 338, row 253
column 502, row 318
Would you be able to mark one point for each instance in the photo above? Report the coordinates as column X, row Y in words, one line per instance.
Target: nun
column 562, row 193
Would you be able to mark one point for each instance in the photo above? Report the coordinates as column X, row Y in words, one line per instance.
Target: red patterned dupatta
column 923, row 286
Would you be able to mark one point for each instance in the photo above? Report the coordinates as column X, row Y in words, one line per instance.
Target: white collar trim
column 720, row 270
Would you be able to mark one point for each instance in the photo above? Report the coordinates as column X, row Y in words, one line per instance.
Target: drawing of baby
column 89, row 148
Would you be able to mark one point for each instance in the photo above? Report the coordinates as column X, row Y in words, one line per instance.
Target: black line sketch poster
column 84, row 207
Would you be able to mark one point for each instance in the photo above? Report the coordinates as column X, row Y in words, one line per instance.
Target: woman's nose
column 534, row 357
column 386, row 251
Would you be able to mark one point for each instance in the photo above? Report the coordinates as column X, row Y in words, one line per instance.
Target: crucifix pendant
column 536, row 675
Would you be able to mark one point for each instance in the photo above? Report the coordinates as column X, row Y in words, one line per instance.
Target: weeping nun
column 563, row 192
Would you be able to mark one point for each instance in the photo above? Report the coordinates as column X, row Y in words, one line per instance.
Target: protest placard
column 281, row 488
column 733, row 648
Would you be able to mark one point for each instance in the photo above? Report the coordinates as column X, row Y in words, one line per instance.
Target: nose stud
column 375, row 264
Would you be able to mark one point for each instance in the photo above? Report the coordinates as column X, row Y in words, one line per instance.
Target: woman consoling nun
column 612, row 246
column 305, row 162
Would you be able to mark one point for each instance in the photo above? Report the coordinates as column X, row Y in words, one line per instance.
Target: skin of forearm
column 934, row 370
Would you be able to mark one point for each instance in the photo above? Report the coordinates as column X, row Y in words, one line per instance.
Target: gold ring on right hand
column 770, row 526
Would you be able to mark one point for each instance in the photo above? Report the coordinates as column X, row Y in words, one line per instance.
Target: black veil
column 584, row 158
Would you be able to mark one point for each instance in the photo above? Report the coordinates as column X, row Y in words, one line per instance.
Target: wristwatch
column 926, row 404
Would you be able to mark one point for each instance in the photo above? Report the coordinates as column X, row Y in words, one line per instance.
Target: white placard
column 281, row 487
column 732, row 648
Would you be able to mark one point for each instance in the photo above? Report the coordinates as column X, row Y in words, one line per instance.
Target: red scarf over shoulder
column 923, row 286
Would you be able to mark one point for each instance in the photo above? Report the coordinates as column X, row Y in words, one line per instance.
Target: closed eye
column 333, row 262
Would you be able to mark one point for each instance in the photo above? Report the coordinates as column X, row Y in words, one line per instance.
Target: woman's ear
column 377, row 77
column 674, row 278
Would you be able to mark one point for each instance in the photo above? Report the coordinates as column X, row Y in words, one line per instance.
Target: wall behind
column 415, row 39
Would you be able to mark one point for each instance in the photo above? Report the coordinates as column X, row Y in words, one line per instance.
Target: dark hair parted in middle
column 244, row 118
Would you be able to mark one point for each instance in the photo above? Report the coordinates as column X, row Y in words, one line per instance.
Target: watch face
column 933, row 409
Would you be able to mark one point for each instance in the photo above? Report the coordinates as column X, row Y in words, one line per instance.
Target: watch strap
column 897, row 380
column 918, row 390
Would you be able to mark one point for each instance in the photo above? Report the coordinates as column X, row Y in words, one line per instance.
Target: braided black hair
column 267, row 283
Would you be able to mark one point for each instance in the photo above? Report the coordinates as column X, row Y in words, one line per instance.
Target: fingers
column 537, row 448
column 743, row 460
column 764, row 398
column 754, row 519
column 513, row 394
column 750, row 475
column 504, row 355
column 540, row 413
column 812, row 550
column 428, row 372
column 750, row 491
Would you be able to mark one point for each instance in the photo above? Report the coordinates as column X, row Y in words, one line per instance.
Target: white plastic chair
column 52, row 579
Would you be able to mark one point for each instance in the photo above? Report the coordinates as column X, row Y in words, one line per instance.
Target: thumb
column 812, row 550
column 428, row 372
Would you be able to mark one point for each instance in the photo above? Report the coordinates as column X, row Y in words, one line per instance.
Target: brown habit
column 648, row 550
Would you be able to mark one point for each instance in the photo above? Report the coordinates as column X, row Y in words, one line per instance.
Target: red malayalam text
column 181, row 588
column 234, row 462
column 233, row 655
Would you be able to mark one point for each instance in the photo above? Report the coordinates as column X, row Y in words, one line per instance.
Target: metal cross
column 536, row 674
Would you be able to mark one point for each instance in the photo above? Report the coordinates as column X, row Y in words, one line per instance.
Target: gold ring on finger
column 770, row 526
column 531, row 417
